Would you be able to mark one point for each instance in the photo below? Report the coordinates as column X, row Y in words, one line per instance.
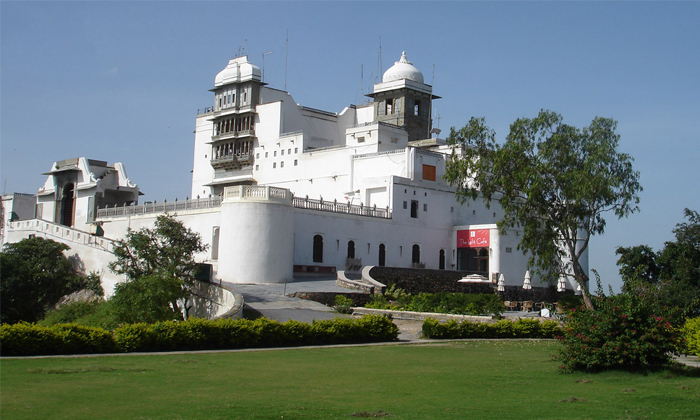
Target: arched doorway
column 382, row 255
column 351, row 249
column 415, row 254
column 67, row 204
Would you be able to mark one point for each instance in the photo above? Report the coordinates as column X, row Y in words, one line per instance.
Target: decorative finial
column 403, row 58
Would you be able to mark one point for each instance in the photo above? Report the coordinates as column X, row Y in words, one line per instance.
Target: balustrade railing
column 154, row 207
column 340, row 207
column 243, row 191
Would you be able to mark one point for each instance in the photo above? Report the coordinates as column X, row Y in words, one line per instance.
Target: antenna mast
column 286, row 50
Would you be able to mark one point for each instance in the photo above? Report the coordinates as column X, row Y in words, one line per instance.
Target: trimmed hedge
column 691, row 335
column 25, row 339
column 522, row 328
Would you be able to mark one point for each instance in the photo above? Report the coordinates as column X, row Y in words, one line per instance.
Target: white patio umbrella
column 527, row 285
column 501, row 283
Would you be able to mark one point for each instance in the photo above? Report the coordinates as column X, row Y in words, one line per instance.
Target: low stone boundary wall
column 367, row 278
column 328, row 298
column 420, row 316
column 416, row 280
column 345, row 282
column 214, row 301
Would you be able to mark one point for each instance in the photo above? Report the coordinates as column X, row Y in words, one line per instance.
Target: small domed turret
column 403, row 69
column 238, row 70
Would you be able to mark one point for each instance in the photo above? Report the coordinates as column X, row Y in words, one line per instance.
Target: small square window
column 509, row 250
column 257, row 167
column 360, row 139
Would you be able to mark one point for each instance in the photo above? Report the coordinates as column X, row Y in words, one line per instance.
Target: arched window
column 442, row 259
column 351, row 249
column 382, row 255
column 415, row 254
column 318, row 248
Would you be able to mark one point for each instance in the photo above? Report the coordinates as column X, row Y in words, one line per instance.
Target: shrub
column 691, row 336
column 193, row 334
column 521, row 328
column 625, row 331
column 25, row 339
column 70, row 313
column 343, row 304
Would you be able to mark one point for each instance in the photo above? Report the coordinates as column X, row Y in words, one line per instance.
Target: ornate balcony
column 232, row 162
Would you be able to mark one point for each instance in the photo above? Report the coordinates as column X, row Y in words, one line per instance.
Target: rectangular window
column 509, row 250
column 289, row 151
column 394, row 139
column 425, row 206
column 257, row 156
column 360, row 139
column 405, row 205
column 295, row 162
column 281, row 164
column 257, row 167
column 416, row 108
column 265, row 154
column 282, row 152
column 429, row 172
column 274, row 165
column 296, row 150
column 274, row 154
column 389, row 106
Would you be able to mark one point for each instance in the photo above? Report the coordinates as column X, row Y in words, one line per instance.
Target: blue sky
column 122, row 81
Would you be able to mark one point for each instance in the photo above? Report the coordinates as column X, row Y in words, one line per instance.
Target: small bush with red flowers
column 625, row 331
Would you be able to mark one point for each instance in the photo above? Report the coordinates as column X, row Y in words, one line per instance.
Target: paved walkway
column 271, row 299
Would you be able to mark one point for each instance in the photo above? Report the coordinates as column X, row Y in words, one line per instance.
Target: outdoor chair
column 510, row 305
column 528, row 305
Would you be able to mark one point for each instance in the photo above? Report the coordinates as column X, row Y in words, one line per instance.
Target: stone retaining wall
column 416, row 280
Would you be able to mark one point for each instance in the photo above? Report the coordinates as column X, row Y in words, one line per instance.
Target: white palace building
column 280, row 190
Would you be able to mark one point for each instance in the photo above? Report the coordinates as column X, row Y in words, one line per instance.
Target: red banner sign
column 478, row 238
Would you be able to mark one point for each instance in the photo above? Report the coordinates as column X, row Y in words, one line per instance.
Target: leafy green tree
column 159, row 266
column 671, row 275
column 552, row 180
column 34, row 275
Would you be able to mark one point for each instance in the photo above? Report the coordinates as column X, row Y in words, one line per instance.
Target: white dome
column 238, row 70
column 403, row 69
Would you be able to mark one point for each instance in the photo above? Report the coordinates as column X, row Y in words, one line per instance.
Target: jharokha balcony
column 232, row 161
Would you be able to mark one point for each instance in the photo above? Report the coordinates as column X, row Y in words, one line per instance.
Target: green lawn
column 444, row 380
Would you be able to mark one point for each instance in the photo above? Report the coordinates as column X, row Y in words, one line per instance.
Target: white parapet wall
column 213, row 301
column 87, row 252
